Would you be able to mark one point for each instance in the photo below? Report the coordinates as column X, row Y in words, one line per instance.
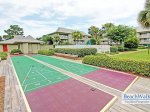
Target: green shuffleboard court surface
column 33, row 75
column 79, row 69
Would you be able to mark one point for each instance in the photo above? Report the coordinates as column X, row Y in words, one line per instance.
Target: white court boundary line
column 23, row 94
column 106, row 107
column 45, row 84
column 45, row 79
column 27, row 75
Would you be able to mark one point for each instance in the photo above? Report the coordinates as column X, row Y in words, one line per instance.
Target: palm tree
column 144, row 15
column 96, row 33
column 77, row 36
column 144, row 18
column 147, row 4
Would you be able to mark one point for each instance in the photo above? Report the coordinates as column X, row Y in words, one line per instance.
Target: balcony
column 144, row 42
column 63, row 37
column 144, row 36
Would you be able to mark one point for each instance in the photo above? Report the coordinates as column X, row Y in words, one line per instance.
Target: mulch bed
column 68, row 56
column 2, row 92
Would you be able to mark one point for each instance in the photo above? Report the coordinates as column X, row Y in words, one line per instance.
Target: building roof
column 67, row 30
column 21, row 39
column 140, row 29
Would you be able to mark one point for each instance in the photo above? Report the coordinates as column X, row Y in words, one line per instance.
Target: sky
column 39, row 17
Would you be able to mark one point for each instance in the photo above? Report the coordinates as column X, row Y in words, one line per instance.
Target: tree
column 39, row 38
column 77, row 36
column 13, row 30
column 107, row 26
column 144, row 15
column 92, row 41
column 56, row 39
column 132, row 43
column 96, row 33
column 48, row 39
column 120, row 33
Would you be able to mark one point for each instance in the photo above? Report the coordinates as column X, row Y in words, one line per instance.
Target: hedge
column 16, row 51
column 46, row 52
column 136, row 67
column 142, row 47
column 114, row 49
column 120, row 48
column 80, row 52
column 3, row 55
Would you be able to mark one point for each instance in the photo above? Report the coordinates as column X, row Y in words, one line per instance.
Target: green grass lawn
column 139, row 55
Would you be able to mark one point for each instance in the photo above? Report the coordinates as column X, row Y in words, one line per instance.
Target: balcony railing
column 144, row 36
column 144, row 42
column 63, row 37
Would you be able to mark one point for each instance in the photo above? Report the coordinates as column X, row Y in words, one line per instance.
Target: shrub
column 126, row 49
column 114, row 49
column 142, row 47
column 65, row 43
column 80, row 52
column 46, row 52
column 121, row 48
column 137, row 67
column 92, row 41
column 100, row 54
column 16, row 51
column 131, row 43
column 3, row 55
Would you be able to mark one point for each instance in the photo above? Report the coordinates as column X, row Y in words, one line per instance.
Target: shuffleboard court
column 79, row 69
column 113, row 79
column 48, row 90
column 68, row 96
column 33, row 75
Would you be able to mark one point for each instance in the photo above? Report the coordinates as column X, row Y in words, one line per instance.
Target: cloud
column 39, row 17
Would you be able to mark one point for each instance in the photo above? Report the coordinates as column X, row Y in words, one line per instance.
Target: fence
column 100, row 48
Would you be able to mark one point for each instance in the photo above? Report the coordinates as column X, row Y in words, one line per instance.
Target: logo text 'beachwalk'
column 137, row 98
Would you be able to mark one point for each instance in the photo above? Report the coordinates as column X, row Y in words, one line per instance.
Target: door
column 5, row 48
column 30, row 50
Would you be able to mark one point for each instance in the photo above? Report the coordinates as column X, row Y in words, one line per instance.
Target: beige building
column 65, row 35
column 25, row 44
column 143, row 35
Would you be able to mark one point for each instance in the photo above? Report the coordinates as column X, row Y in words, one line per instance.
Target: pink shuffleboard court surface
column 68, row 96
column 112, row 79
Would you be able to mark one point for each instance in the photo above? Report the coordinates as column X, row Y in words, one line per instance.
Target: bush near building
column 3, row 55
column 114, row 49
column 80, row 52
column 131, row 43
column 137, row 67
column 46, row 52
column 16, row 51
